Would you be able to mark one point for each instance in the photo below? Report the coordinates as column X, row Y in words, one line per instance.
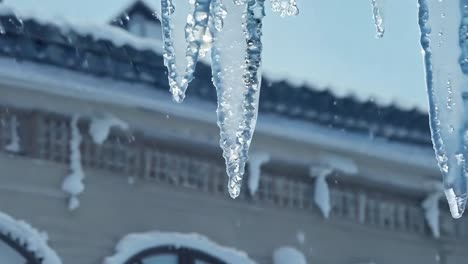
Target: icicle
column 198, row 40
column 322, row 192
column 236, row 61
column 73, row 183
column 377, row 15
column 285, row 7
column 235, row 66
column 197, row 36
column 256, row 161
column 14, row 145
column 228, row 69
column 443, row 32
column 431, row 212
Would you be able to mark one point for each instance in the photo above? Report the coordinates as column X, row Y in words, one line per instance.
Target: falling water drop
column 377, row 14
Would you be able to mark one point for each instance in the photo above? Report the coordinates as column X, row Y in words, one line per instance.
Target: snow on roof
column 136, row 4
column 117, row 36
column 400, row 103
column 26, row 235
column 133, row 244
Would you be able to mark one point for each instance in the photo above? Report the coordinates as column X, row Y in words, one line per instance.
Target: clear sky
column 331, row 43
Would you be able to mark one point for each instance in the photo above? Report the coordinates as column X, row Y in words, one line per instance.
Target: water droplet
column 377, row 14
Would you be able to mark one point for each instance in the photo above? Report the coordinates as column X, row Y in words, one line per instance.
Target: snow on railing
column 321, row 189
column 101, row 125
column 14, row 145
column 432, row 212
column 73, row 183
column 256, row 160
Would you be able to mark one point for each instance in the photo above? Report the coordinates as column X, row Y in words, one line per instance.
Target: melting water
column 443, row 27
column 377, row 14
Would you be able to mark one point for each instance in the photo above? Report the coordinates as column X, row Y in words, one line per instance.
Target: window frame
column 185, row 255
column 29, row 256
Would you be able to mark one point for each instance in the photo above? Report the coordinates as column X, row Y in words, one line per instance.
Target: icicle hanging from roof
column 443, row 29
column 236, row 65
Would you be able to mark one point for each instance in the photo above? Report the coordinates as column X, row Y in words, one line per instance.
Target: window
column 157, row 247
column 173, row 255
column 20, row 243
column 12, row 252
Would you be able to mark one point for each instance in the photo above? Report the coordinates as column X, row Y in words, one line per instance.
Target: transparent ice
column 236, row 58
column 198, row 40
column 377, row 15
column 444, row 28
column 285, row 7
column 232, row 31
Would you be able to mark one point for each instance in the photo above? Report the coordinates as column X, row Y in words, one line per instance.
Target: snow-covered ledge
column 33, row 240
column 133, row 244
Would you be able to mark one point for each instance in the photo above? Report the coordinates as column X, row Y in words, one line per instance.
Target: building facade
column 155, row 188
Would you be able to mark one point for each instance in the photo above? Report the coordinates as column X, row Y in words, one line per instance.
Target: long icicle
column 237, row 83
column 252, row 81
column 235, row 67
column 442, row 34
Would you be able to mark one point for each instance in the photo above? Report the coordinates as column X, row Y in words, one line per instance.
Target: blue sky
column 331, row 43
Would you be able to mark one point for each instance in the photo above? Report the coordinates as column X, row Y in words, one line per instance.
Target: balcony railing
column 46, row 136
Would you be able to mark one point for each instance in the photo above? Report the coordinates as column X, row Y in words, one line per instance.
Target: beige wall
column 111, row 208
